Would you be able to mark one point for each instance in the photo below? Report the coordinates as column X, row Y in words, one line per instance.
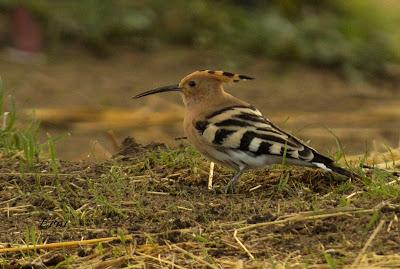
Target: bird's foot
column 230, row 188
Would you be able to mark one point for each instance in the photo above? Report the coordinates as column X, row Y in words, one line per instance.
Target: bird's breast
column 202, row 145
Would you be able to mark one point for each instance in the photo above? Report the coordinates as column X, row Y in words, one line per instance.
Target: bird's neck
column 205, row 104
column 205, row 99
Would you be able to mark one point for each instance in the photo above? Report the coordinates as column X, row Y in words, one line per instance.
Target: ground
column 109, row 206
column 151, row 208
column 73, row 92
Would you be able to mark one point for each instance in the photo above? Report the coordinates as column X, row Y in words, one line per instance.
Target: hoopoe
column 233, row 133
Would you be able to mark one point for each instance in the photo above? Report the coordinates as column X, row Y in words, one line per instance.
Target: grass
column 109, row 191
column 53, row 160
column 157, row 208
column 330, row 261
column 381, row 189
column 15, row 141
column 113, row 199
column 31, row 236
column 183, row 157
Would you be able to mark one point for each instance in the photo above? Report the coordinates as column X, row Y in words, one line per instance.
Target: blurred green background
column 322, row 66
column 349, row 36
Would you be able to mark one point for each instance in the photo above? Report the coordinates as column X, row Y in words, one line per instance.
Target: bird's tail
column 342, row 171
column 330, row 166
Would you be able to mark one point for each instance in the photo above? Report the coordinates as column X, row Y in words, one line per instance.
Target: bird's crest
column 222, row 76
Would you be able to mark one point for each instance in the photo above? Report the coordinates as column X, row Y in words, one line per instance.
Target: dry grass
column 181, row 255
column 167, row 217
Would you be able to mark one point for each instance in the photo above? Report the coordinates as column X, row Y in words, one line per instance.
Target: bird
column 235, row 134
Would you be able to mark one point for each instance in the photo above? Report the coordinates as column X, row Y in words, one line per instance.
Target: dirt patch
column 130, row 149
column 158, row 199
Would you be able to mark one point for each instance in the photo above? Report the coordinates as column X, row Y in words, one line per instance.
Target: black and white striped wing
column 244, row 129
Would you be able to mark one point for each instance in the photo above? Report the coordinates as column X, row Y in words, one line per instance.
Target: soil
column 166, row 207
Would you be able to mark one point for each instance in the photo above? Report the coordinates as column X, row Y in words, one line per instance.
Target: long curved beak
column 170, row 88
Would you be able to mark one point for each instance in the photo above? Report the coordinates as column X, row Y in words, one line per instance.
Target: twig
column 67, row 244
column 5, row 117
column 76, row 186
column 393, row 181
column 184, row 208
column 368, row 243
column 160, row 260
column 242, row 245
column 82, row 207
column 391, row 223
column 15, row 208
column 353, row 194
column 195, row 257
column 359, row 192
column 10, row 200
column 255, row 188
column 157, row 192
column 301, row 217
column 210, row 176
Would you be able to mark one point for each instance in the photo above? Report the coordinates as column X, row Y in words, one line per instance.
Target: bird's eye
column 192, row 83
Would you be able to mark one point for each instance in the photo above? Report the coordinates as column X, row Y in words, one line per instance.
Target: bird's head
column 199, row 85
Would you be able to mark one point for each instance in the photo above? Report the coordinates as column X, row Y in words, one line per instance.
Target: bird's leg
column 231, row 187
